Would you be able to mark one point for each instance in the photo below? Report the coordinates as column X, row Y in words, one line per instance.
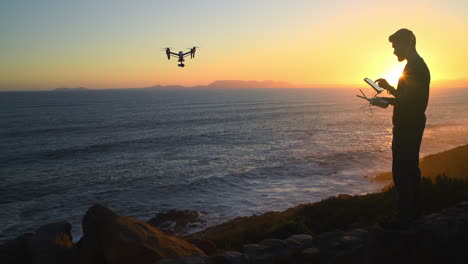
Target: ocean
column 228, row 153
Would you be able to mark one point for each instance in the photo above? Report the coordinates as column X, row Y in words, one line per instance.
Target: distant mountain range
column 64, row 89
column 229, row 84
column 220, row 84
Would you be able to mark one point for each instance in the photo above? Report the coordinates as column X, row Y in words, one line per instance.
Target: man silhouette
column 409, row 120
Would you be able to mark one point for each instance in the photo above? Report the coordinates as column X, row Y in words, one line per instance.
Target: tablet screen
column 374, row 85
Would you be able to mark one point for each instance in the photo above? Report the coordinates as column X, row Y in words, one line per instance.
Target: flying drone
column 181, row 55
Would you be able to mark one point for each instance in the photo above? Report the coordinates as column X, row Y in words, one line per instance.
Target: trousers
column 406, row 144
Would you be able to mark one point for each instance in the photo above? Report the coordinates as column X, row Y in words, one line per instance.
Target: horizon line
column 235, row 84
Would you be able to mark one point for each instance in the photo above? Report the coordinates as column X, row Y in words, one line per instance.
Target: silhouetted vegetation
column 452, row 163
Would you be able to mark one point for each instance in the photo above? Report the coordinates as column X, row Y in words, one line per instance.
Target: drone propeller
column 166, row 48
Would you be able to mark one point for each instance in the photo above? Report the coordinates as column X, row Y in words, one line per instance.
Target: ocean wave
column 158, row 143
column 47, row 130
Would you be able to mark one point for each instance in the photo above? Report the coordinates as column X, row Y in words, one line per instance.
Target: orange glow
column 337, row 46
column 394, row 75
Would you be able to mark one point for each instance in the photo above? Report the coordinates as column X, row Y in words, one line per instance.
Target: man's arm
column 384, row 84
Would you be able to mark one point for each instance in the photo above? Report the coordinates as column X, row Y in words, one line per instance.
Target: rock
column 233, row 257
column 462, row 205
column 228, row 257
column 15, row 251
column 50, row 244
column 113, row 239
column 329, row 240
column 310, row 255
column 59, row 233
column 432, row 216
column 293, row 243
column 177, row 222
column 350, row 240
column 330, row 235
column 302, row 237
column 342, row 247
column 253, row 248
column 360, row 233
column 216, row 259
column 256, row 254
column 455, row 211
column 207, row 246
column 305, row 241
column 270, row 251
column 282, row 250
column 169, row 261
column 94, row 224
column 273, row 244
column 349, row 256
column 194, row 259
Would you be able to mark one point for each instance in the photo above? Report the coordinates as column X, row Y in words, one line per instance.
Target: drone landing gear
column 181, row 65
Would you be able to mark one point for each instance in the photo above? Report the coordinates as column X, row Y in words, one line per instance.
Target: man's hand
column 380, row 102
column 383, row 83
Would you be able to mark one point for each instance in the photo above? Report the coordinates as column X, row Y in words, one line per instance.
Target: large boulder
column 50, row 244
column 113, row 239
column 207, row 246
column 15, row 251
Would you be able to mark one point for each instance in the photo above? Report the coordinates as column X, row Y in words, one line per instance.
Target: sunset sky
column 117, row 43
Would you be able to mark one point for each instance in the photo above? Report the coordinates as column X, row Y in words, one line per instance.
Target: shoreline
column 456, row 166
column 429, row 165
column 451, row 163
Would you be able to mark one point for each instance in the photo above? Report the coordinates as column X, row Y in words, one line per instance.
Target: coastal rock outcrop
column 109, row 238
column 437, row 238
column 50, row 244
column 113, row 239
